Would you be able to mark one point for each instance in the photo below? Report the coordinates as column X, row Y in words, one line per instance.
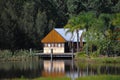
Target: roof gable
column 53, row 37
column 60, row 35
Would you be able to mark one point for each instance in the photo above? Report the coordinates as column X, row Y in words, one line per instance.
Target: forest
column 23, row 23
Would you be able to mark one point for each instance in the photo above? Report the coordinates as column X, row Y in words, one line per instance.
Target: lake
column 54, row 68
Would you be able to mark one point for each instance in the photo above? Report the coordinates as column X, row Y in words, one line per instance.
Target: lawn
column 43, row 78
column 100, row 77
column 50, row 78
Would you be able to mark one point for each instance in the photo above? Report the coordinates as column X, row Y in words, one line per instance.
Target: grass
column 100, row 77
column 44, row 78
column 18, row 55
column 100, row 59
column 97, row 77
column 50, row 78
column 5, row 53
column 107, row 59
column 82, row 57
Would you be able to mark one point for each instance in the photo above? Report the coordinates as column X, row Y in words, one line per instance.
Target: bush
column 81, row 54
column 94, row 54
column 8, row 53
column 5, row 53
column 22, row 53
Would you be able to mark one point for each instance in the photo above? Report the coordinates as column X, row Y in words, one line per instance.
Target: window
column 59, row 45
column 62, row 44
column 55, row 44
column 48, row 45
column 52, row 45
column 45, row 45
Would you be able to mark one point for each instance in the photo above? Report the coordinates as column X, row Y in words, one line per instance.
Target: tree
column 116, row 20
column 103, row 34
column 8, row 23
column 83, row 20
column 40, row 27
column 74, row 25
column 86, row 19
column 20, row 25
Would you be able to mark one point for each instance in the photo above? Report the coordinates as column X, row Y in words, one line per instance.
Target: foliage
column 22, row 53
column 116, row 20
column 100, row 25
column 8, row 54
column 101, row 34
column 73, row 26
column 5, row 53
column 23, row 23
column 80, row 54
column 95, row 58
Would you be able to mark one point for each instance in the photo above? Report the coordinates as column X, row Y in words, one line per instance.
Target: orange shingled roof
column 53, row 37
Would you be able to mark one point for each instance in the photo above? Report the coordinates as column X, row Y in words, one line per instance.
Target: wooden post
column 72, row 54
column 51, row 60
column 77, row 31
column 87, row 69
column 51, row 54
column 51, row 66
column 72, row 50
column 73, row 76
column 87, row 49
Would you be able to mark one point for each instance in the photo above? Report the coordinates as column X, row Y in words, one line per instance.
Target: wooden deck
column 55, row 55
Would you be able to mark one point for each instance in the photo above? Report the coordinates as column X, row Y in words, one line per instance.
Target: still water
column 54, row 68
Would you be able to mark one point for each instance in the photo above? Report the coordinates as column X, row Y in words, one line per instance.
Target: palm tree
column 82, row 21
column 87, row 20
column 72, row 26
column 116, row 20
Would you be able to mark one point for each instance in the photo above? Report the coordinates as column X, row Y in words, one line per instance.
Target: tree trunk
column 77, row 31
column 87, row 42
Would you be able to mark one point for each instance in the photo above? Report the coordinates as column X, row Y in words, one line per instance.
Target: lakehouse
column 60, row 41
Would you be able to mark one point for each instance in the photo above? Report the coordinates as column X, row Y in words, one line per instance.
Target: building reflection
column 53, row 68
column 61, row 68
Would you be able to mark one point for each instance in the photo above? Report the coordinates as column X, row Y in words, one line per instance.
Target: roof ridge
column 60, row 34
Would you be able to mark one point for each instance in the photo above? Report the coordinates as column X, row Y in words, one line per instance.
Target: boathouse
column 60, row 41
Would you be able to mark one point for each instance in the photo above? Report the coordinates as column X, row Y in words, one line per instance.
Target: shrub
column 81, row 54
column 5, row 53
column 94, row 54
column 22, row 53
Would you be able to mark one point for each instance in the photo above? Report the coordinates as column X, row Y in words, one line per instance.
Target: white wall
column 55, row 50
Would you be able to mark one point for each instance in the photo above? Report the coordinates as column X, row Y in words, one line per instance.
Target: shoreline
column 19, row 58
column 95, row 77
column 98, row 59
column 80, row 59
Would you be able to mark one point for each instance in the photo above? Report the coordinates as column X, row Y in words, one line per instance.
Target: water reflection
column 20, row 69
column 55, row 68
column 87, row 69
